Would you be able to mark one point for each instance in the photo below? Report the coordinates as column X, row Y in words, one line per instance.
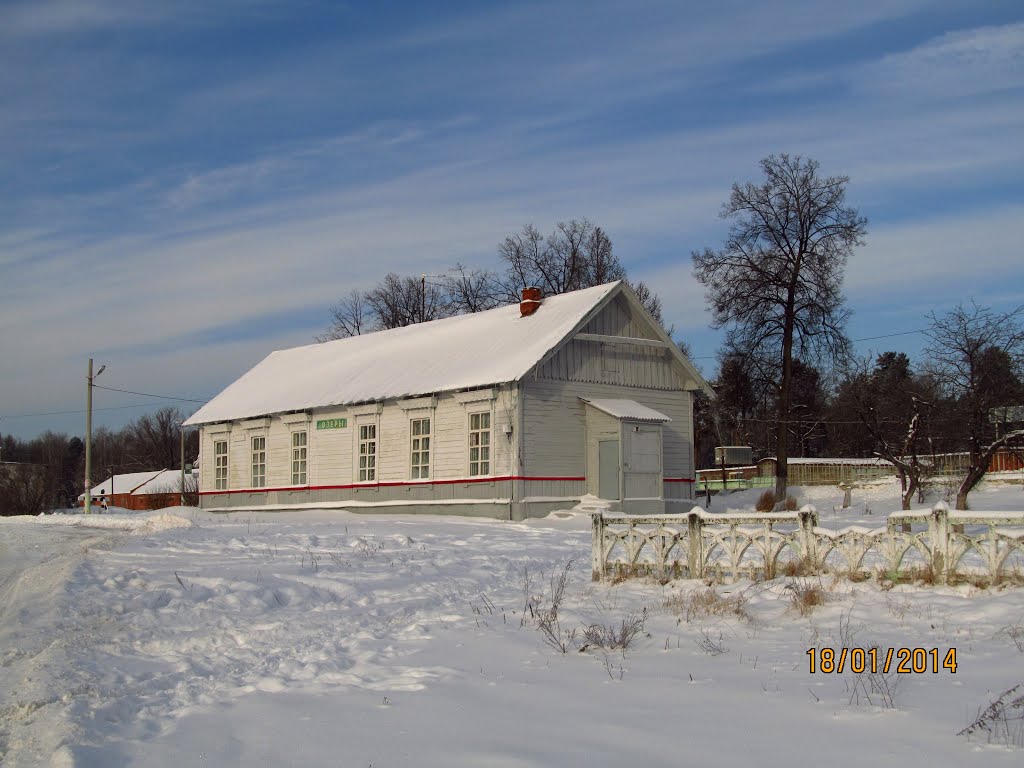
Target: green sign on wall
column 332, row 423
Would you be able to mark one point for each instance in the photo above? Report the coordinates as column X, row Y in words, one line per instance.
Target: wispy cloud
column 183, row 215
column 38, row 18
column 966, row 251
column 966, row 62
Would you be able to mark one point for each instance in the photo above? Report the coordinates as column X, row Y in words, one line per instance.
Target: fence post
column 597, row 546
column 809, row 519
column 695, row 556
column 938, row 531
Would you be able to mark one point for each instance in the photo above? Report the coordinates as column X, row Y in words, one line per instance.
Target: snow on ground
column 329, row 638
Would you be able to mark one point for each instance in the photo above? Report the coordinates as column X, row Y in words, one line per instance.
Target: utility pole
column 181, row 431
column 423, row 294
column 88, row 434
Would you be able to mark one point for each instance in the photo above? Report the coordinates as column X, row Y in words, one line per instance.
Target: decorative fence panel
column 944, row 545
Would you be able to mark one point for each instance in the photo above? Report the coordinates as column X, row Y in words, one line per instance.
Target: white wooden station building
column 508, row 413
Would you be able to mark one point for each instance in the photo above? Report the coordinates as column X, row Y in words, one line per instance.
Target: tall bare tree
column 471, row 290
column 155, row 440
column 776, row 283
column 977, row 356
column 651, row 302
column 400, row 301
column 27, row 489
column 349, row 317
column 575, row 255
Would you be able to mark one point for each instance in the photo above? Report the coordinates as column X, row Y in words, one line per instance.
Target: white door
column 608, row 469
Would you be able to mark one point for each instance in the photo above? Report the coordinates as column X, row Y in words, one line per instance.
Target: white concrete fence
column 938, row 543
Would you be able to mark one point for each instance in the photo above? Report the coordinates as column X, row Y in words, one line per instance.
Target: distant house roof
column 627, row 409
column 463, row 352
column 125, row 483
column 139, row 483
column 165, row 481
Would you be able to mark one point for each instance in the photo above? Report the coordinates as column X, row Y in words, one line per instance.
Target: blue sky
column 188, row 186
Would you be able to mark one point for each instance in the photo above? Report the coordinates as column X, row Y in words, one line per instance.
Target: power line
column 81, row 410
column 150, row 394
column 890, row 335
column 866, row 338
column 933, row 419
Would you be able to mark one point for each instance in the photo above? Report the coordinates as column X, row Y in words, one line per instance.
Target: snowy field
column 324, row 638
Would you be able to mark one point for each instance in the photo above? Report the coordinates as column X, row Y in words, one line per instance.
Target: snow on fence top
column 463, row 352
column 954, row 545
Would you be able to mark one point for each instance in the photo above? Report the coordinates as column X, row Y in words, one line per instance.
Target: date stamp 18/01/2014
column 903, row 661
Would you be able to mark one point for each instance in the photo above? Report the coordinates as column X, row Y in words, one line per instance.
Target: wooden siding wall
column 555, row 425
column 598, row 363
column 330, row 452
column 554, row 440
column 617, row 320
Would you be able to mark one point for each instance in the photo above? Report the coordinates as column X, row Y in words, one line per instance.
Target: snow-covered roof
column 627, row 409
column 125, row 483
column 463, row 352
column 165, row 481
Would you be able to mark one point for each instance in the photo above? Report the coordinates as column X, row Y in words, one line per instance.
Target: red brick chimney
column 530, row 302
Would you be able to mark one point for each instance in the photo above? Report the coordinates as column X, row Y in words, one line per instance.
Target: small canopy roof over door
column 629, row 410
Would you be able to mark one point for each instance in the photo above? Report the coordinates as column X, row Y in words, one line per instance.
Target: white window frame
column 220, row 479
column 420, row 470
column 364, row 473
column 480, row 439
column 261, row 454
column 300, row 457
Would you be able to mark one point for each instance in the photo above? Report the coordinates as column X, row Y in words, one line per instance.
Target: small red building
column 153, row 489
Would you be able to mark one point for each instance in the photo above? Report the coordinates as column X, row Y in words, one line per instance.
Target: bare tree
column 575, row 255
column 650, row 300
column 471, row 290
column 27, row 489
column 349, row 317
column 400, row 301
column 776, row 283
column 520, row 252
column 601, row 264
column 977, row 356
column 156, row 442
column 887, row 400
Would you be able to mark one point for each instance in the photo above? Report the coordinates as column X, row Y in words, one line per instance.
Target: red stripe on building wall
column 678, row 480
column 388, row 485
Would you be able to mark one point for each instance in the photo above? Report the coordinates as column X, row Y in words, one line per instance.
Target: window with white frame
column 420, row 455
column 367, row 453
column 220, row 465
column 259, row 461
column 299, row 458
column 479, row 443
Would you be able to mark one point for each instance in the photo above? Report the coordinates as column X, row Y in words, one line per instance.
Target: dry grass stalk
column 805, row 596
column 767, row 500
column 611, row 638
column 1002, row 719
column 702, row 603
